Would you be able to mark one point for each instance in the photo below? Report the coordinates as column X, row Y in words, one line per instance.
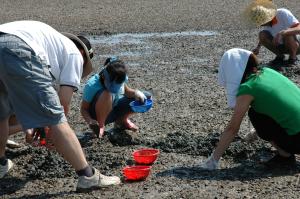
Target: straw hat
column 88, row 67
column 260, row 12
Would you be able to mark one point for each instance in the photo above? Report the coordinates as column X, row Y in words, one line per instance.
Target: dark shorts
column 269, row 130
column 26, row 86
column 122, row 108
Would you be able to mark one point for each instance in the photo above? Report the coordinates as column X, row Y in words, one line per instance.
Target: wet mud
column 173, row 53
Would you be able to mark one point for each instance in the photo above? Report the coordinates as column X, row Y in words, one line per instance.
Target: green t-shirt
column 275, row 96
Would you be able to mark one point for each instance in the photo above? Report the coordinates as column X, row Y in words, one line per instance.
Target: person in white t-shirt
column 274, row 22
column 32, row 54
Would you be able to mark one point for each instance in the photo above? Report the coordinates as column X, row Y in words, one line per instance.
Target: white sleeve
column 287, row 17
column 71, row 71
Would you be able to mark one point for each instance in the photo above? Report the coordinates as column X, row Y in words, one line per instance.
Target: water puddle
column 135, row 45
column 138, row 38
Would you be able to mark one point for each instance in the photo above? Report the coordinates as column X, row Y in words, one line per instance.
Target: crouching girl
column 106, row 98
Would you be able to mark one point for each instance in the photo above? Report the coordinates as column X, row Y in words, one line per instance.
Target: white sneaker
column 12, row 144
column 96, row 181
column 5, row 169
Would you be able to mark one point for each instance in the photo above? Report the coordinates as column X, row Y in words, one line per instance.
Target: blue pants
column 122, row 108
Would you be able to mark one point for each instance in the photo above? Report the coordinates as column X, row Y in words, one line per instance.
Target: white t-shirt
column 56, row 50
column 284, row 20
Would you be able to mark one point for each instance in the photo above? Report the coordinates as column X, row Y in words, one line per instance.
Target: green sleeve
column 245, row 89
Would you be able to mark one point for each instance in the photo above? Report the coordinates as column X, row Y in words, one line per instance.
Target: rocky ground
column 189, row 111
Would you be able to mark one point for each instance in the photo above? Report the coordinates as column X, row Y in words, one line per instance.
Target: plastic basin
column 145, row 156
column 136, row 173
column 139, row 107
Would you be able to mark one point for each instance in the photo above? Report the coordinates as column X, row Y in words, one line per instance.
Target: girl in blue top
column 106, row 98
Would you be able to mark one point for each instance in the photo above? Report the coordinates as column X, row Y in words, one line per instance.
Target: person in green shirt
column 272, row 103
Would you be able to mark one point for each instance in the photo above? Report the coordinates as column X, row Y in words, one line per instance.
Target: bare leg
column 125, row 122
column 3, row 136
column 267, row 41
column 292, row 46
column 67, row 144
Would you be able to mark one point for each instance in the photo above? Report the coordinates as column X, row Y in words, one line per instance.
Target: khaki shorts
column 26, row 86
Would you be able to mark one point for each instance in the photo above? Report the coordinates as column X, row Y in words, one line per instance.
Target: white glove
column 139, row 96
column 210, row 164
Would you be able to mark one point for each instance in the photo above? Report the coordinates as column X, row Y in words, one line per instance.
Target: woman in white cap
column 273, row 36
column 272, row 102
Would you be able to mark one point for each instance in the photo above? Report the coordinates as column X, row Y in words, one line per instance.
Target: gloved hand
column 139, row 96
column 210, row 164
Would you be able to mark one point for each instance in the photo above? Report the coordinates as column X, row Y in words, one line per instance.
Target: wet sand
column 189, row 110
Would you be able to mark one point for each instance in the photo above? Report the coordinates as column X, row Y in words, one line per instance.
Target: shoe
column 96, row 181
column 128, row 124
column 278, row 60
column 4, row 169
column 12, row 144
column 291, row 62
column 278, row 161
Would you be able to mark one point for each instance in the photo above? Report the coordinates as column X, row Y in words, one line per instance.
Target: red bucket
column 145, row 156
column 136, row 173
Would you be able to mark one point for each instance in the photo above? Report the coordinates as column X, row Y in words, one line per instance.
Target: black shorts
column 269, row 130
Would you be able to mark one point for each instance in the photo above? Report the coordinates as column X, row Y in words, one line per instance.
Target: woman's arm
column 129, row 92
column 291, row 31
column 257, row 48
column 103, row 108
column 134, row 93
column 242, row 106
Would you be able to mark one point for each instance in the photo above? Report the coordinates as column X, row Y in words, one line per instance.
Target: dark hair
column 252, row 63
column 116, row 69
column 86, row 43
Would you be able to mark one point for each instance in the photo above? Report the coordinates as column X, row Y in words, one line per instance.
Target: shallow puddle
column 133, row 45
column 139, row 38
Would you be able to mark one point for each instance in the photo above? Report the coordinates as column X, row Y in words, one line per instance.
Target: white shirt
column 56, row 50
column 285, row 19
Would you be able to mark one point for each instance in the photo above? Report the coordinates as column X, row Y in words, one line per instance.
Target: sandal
column 278, row 161
column 279, row 59
column 291, row 62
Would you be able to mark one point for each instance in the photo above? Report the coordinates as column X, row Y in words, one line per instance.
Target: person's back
column 54, row 49
column 283, row 20
column 275, row 96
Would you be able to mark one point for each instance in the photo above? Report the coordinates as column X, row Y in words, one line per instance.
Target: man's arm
column 65, row 94
column 291, row 31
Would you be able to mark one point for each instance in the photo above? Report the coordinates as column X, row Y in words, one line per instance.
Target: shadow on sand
column 243, row 172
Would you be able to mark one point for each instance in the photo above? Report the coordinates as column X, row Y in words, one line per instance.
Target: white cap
column 231, row 71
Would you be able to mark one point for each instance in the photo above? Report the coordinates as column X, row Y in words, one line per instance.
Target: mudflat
column 173, row 49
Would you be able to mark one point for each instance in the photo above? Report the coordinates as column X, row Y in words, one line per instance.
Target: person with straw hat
column 32, row 55
column 272, row 103
column 264, row 13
